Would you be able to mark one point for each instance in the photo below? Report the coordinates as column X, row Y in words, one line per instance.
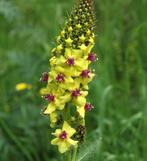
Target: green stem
column 67, row 156
column 74, row 158
column 66, row 113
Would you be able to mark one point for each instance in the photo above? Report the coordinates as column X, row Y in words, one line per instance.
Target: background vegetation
column 116, row 127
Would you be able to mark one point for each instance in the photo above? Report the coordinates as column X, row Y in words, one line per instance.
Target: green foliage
column 116, row 126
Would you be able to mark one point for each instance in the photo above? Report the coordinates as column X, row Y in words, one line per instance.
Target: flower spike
column 69, row 76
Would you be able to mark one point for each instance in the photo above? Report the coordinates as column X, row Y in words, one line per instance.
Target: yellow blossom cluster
column 70, row 73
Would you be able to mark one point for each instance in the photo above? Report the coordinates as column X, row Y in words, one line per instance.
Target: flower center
column 75, row 93
column 44, row 77
column 50, row 97
column 88, row 107
column 91, row 57
column 70, row 61
column 60, row 77
column 85, row 73
column 63, row 135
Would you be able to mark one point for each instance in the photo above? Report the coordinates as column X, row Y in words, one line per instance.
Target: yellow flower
column 22, row 86
column 57, row 100
column 62, row 80
column 86, row 76
column 63, row 138
column 72, row 63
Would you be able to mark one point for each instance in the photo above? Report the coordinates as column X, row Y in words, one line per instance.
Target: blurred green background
column 116, row 127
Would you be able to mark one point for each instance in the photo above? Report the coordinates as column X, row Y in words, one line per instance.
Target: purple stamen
column 50, row 97
column 44, row 77
column 76, row 93
column 60, row 77
column 63, row 135
column 85, row 74
column 88, row 107
column 91, row 57
column 70, row 61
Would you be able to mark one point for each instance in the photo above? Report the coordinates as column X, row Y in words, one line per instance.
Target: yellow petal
column 57, row 132
column 65, row 98
column 50, row 108
column 53, row 61
column 55, row 141
column 81, row 111
column 63, row 146
column 60, row 104
column 68, row 53
column 72, row 142
column 43, row 91
column 80, row 101
column 52, row 76
column 59, row 69
column 74, row 85
column 84, row 93
column 61, row 60
column 89, row 48
column 70, row 131
column 53, row 117
column 77, row 53
column 83, row 47
column 81, row 64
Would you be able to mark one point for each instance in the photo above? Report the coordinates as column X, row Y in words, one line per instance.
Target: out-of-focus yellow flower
column 63, row 138
column 22, row 86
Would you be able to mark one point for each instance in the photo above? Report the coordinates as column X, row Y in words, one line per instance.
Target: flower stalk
column 68, row 79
